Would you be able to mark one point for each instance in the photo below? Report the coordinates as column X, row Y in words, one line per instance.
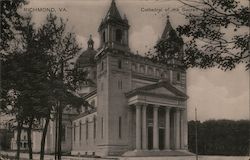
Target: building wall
column 115, row 133
column 102, row 108
column 66, row 135
column 84, row 138
column 36, row 140
column 119, row 84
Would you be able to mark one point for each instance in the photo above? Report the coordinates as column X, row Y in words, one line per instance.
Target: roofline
column 90, row 94
column 165, row 84
column 84, row 114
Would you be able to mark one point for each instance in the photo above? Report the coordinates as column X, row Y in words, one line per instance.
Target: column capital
column 182, row 109
column 179, row 109
column 138, row 105
column 141, row 104
column 167, row 108
column 144, row 107
column 156, row 106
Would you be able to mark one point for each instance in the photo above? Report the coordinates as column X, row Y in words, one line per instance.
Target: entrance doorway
column 150, row 137
column 172, row 133
column 161, row 138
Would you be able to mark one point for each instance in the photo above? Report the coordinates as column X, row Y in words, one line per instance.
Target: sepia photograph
column 125, row 80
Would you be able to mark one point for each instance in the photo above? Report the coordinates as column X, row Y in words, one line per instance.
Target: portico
column 159, row 118
column 173, row 125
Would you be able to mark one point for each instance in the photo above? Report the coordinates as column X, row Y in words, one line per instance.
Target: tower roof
column 113, row 16
column 113, row 12
column 168, row 28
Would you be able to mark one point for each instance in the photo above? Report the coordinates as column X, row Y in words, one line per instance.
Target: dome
column 87, row 57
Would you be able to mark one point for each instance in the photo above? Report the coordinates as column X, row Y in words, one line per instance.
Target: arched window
column 142, row 69
column 150, row 70
column 118, row 35
column 134, row 67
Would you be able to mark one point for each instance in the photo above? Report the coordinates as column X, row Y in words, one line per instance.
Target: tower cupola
column 113, row 29
column 171, row 45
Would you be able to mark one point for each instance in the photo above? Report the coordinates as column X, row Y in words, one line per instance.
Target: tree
column 25, row 73
column 61, row 46
column 33, row 66
column 10, row 20
column 218, row 34
column 220, row 137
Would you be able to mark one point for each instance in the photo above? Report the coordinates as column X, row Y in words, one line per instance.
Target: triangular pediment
column 161, row 90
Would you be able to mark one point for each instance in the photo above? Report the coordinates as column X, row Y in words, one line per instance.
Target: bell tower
column 113, row 30
column 173, row 46
column 113, row 81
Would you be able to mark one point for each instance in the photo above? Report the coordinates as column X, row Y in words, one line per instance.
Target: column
column 177, row 129
column 144, row 128
column 138, row 127
column 155, row 129
column 185, row 128
column 182, row 129
column 167, row 128
column 130, row 127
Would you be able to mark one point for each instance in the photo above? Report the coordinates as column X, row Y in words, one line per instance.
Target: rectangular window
column 87, row 128
column 101, row 86
column 24, row 145
column 119, row 84
column 120, row 64
column 94, row 127
column 102, row 65
column 178, row 76
column 63, row 133
column 80, row 130
column 120, row 127
column 102, row 128
column 74, row 130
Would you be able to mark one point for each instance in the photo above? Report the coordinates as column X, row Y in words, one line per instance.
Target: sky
column 216, row 94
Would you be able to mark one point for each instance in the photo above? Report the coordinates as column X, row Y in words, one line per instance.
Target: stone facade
column 137, row 105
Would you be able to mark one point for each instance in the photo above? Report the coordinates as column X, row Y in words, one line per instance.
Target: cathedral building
column 137, row 106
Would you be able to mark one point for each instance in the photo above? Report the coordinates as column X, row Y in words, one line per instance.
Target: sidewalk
column 25, row 156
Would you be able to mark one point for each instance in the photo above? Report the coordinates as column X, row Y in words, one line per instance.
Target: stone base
column 109, row 150
column 154, row 153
